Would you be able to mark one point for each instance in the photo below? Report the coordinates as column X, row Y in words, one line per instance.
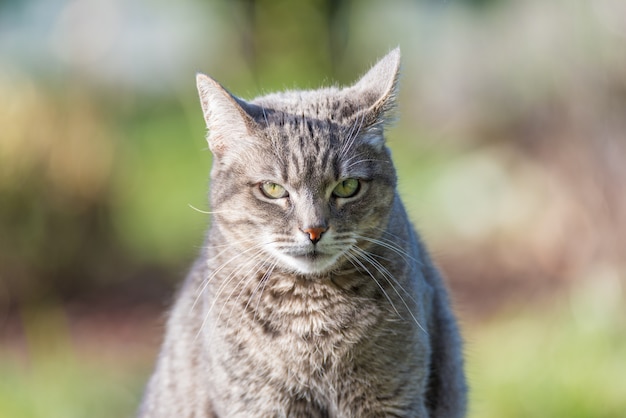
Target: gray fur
column 271, row 324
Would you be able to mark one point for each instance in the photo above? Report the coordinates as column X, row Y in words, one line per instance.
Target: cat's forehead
column 315, row 107
column 306, row 124
column 301, row 155
column 311, row 157
column 311, row 138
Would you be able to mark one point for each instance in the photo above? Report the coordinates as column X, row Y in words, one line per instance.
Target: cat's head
column 302, row 179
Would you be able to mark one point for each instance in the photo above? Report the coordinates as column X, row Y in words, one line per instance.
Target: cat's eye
column 347, row 188
column 273, row 190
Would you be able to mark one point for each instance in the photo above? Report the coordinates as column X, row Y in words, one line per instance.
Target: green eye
column 347, row 188
column 273, row 190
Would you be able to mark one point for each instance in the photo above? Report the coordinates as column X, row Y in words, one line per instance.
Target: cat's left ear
column 376, row 93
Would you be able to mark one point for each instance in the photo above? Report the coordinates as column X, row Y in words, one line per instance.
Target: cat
column 313, row 296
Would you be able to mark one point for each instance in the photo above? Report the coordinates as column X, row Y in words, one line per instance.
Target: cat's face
column 302, row 180
column 304, row 197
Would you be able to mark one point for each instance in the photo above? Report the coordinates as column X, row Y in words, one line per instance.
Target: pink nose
column 315, row 234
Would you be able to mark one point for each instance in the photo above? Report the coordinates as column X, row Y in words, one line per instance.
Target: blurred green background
column 511, row 151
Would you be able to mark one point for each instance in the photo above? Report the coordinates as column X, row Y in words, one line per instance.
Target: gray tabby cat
column 313, row 296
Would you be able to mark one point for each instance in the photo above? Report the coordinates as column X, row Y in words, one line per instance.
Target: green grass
column 48, row 375
column 66, row 387
column 565, row 361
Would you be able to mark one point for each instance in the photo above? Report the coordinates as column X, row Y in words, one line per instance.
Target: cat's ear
column 228, row 122
column 376, row 93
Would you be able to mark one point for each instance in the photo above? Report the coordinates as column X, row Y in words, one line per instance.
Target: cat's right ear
column 228, row 122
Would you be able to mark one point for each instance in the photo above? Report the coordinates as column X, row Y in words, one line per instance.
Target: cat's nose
column 315, row 234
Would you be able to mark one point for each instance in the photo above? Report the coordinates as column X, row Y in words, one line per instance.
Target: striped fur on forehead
column 302, row 148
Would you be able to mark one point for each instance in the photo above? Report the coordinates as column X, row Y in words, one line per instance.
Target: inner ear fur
column 227, row 119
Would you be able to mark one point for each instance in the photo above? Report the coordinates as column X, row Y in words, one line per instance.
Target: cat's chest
column 302, row 337
column 278, row 305
column 307, row 321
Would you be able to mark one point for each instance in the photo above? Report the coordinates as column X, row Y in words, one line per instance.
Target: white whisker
column 391, row 280
column 256, row 268
column 391, row 246
column 355, row 129
column 263, row 281
column 224, row 284
column 207, row 280
column 354, row 259
column 205, row 212
column 258, row 264
column 349, row 164
column 267, row 124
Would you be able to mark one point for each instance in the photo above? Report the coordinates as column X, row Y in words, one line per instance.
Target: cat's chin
column 312, row 264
